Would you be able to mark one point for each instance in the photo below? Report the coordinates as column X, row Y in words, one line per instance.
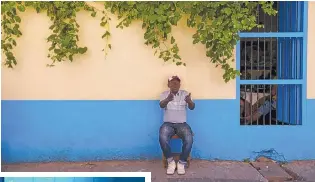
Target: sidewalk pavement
column 199, row 170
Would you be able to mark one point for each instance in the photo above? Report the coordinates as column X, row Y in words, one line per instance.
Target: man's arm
column 191, row 105
column 164, row 103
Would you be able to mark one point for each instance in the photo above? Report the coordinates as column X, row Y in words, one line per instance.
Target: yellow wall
column 130, row 71
column 311, row 51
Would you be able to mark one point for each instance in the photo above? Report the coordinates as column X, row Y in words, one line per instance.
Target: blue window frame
column 291, row 45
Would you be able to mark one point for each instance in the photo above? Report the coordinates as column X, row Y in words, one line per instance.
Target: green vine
column 64, row 38
column 216, row 23
column 10, row 27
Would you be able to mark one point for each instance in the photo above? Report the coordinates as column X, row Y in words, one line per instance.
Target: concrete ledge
column 199, row 170
column 303, row 170
column 271, row 171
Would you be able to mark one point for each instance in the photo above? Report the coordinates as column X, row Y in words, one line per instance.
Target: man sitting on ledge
column 174, row 102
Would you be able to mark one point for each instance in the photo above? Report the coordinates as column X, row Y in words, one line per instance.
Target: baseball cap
column 174, row 77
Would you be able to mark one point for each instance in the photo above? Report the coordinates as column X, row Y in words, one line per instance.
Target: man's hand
column 191, row 104
column 170, row 97
column 188, row 98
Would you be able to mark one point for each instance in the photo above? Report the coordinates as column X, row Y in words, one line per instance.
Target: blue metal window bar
column 285, row 69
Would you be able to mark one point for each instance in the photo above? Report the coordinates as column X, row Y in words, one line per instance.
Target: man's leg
column 166, row 132
column 184, row 131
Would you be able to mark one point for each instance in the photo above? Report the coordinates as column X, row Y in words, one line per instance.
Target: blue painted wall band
column 43, row 131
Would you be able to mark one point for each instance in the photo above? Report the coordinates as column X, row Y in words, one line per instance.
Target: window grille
column 272, row 61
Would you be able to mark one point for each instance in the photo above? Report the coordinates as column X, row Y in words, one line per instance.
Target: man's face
column 174, row 85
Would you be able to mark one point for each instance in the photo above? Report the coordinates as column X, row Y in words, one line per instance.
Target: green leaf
column 9, row 55
column 66, row 41
column 82, row 50
column 52, row 27
column 17, row 19
column 93, row 14
column 57, row 51
column 195, row 41
column 37, row 9
column 14, row 61
column 179, row 63
column 51, row 37
column 144, row 25
column 172, row 40
column 177, row 56
column 71, row 58
column 103, row 24
column 106, row 34
column 21, row 8
column 9, row 46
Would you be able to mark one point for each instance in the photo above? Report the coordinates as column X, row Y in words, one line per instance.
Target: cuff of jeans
column 170, row 159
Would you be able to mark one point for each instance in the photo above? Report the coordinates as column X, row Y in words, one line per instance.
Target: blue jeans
column 183, row 130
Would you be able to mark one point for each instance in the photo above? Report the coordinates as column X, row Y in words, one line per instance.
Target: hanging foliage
column 64, row 37
column 216, row 23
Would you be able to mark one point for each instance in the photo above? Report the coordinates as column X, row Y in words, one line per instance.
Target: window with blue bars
column 272, row 62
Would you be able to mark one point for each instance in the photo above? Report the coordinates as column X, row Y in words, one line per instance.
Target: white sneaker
column 171, row 167
column 180, row 168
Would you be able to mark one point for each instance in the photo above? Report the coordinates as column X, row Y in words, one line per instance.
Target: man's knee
column 188, row 139
column 185, row 130
column 163, row 138
column 186, row 134
column 165, row 132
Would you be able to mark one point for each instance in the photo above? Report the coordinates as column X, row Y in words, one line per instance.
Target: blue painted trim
column 238, row 67
column 281, row 16
column 272, row 34
column 268, row 82
column 304, row 89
